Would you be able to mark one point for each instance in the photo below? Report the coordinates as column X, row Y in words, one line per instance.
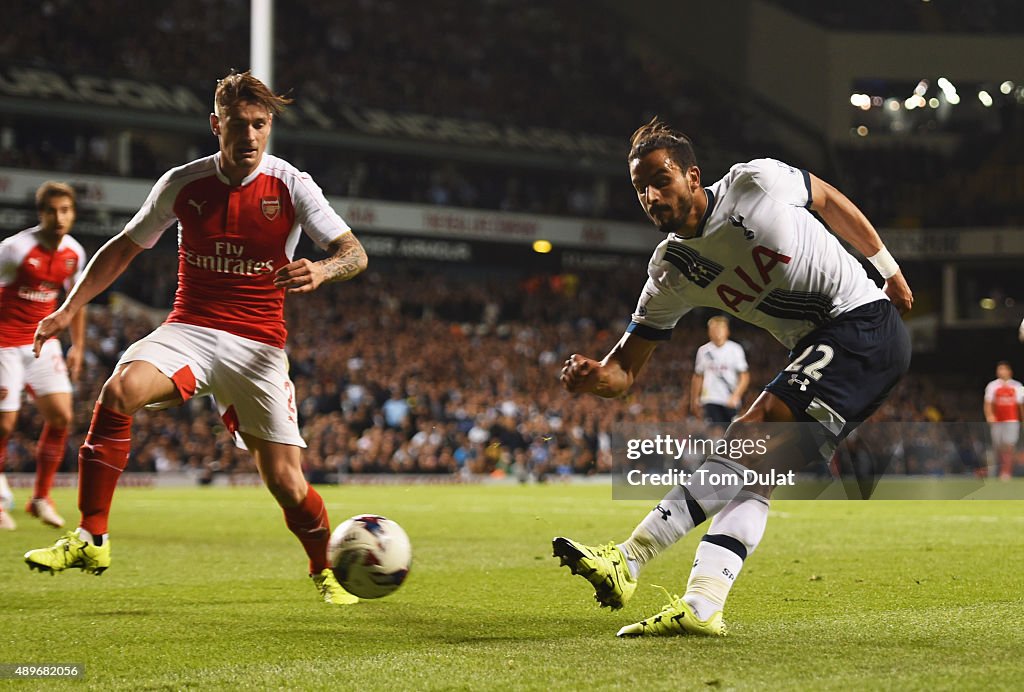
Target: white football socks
column 733, row 535
column 90, row 539
column 710, row 489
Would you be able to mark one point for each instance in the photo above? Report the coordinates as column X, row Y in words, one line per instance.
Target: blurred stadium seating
column 443, row 367
column 426, row 368
column 913, row 16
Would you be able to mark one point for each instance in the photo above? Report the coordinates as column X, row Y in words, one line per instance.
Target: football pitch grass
column 207, row 589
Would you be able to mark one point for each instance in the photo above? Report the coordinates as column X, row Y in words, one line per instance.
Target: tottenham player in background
column 747, row 245
column 720, row 375
column 35, row 265
column 239, row 215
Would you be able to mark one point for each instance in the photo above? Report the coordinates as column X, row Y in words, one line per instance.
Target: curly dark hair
column 657, row 135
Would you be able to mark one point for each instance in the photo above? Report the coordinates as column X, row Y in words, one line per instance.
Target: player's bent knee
column 741, row 427
column 131, row 387
column 121, row 394
column 59, row 419
column 112, row 395
column 767, row 409
column 286, row 483
column 755, row 414
column 288, row 491
column 8, row 420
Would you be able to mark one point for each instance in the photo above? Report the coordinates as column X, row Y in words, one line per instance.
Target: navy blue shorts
column 843, row 371
column 716, row 413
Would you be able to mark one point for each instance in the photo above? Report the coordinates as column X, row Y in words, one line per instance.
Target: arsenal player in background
column 34, row 265
column 239, row 213
column 1004, row 409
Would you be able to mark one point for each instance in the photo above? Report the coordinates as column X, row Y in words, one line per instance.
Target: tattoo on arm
column 348, row 259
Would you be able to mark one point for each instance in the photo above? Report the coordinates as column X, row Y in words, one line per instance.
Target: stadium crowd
column 451, row 57
column 446, row 372
column 497, row 61
column 982, row 16
column 411, row 369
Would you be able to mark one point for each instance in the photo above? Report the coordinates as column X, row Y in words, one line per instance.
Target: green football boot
column 677, row 618
column 70, row 551
column 330, row 590
column 603, row 566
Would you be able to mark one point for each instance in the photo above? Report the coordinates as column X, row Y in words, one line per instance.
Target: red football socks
column 309, row 522
column 49, row 455
column 100, row 462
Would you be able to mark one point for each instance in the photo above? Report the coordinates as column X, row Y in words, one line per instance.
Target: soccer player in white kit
column 720, row 375
column 747, row 245
column 239, row 214
column 35, row 265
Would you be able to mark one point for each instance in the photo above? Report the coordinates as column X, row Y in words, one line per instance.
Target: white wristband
column 884, row 263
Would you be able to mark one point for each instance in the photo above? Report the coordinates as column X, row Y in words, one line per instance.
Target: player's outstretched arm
column 850, row 224
column 105, row 266
column 613, row 376
column 76, row 354
column 348, row 259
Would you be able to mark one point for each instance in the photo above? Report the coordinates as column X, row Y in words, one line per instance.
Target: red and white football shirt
column 231, row 241
column 1006, row 396
column 31, row 276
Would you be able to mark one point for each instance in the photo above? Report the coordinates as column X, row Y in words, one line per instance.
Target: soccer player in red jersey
column 34, row 265
column 239, row 214
column 1004, row 409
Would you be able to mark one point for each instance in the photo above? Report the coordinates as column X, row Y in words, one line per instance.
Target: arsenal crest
column 70, row 264
column 271, row 207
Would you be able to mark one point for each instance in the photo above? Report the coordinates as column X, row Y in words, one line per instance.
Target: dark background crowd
column 439, row 368
column 980, row 17
column 431, row 368
column 574, row 66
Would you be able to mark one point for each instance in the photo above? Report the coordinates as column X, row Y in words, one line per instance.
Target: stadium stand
column 480, row 73
column 913, row 16
column 465, row 382
column 482, row 396
column 378, row 55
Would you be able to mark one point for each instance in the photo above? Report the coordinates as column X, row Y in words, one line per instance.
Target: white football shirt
column 721, row 367
column 759, row 255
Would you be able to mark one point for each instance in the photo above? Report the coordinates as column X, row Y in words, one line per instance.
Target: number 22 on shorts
column 812, row 370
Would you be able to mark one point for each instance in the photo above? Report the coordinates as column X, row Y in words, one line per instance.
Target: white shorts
column 1005, row 434
column 248, row 380
column 21, row 370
